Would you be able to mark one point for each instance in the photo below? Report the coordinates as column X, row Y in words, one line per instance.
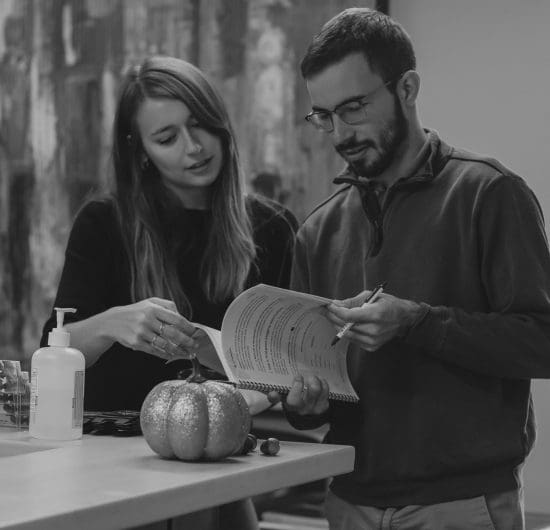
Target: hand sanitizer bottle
column 57, row 387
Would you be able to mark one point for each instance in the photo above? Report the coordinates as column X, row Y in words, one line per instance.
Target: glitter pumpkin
column 195, row 419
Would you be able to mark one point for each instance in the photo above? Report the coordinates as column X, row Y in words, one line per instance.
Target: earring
column 145, row 163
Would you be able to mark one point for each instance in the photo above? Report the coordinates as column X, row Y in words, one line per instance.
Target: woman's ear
column 408, row 87
column 145, row 162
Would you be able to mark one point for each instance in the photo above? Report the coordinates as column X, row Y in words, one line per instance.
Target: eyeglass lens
column 352, row 114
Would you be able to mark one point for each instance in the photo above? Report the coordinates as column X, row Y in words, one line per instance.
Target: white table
column 105, row 482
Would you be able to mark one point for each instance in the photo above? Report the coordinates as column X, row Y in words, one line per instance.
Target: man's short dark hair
column 384, row 43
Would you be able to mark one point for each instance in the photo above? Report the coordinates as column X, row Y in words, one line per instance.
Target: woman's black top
column 96, row 277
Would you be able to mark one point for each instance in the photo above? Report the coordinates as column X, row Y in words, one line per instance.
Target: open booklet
column 271, row 334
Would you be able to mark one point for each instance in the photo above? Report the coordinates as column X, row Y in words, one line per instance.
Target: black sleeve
column 91, row 258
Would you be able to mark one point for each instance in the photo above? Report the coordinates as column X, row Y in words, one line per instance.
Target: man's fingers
column 345, row 314
column 308, row 395
column 357, row 301
column 312, row 388
column 335, row 319
column 322, row 398
column 315, row 394
column 294, row 400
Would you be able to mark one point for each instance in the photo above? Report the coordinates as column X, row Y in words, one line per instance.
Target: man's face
column 371, row 146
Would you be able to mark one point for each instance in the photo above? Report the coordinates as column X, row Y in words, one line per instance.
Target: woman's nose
column 191, row 144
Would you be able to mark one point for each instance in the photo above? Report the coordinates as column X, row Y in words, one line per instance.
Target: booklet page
column 270, row 334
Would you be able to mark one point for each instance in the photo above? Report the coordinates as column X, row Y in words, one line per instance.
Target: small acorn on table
column 270, row 447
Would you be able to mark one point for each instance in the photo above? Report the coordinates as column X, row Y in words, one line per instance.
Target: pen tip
column 334, row 341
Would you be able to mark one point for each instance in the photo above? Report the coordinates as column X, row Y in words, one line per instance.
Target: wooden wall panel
column 16, row 174
column 60, row 63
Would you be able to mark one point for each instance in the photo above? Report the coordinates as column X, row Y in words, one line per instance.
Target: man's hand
column 308, row 395
column 376, row 323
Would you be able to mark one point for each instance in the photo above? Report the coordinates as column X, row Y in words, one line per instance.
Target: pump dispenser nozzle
column 58, row 336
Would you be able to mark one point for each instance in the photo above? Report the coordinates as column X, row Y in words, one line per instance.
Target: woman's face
column 188, row 157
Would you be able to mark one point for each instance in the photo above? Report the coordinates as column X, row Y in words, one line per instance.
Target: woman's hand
column 153, row 326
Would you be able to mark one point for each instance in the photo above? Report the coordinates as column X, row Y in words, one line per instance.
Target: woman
column 175, row 242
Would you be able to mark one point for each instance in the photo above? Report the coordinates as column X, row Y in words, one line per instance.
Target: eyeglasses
column 351, row 112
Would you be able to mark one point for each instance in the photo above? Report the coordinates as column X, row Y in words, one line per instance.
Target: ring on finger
column 170, row 346
column 155, row 337
column 161, row 329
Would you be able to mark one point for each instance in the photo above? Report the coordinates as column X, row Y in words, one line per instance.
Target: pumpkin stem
column 196, row 376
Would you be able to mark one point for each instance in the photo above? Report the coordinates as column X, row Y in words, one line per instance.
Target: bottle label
column 34, row 396
column 78, row 399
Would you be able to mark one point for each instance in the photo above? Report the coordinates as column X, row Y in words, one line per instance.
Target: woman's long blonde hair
column 141, row 199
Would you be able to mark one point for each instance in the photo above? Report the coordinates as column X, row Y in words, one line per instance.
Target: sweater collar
column 431, row 159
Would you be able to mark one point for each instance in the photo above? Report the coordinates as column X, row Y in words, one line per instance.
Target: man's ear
column 408, row 87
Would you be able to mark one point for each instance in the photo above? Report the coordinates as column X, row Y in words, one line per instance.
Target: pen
column 372, row 297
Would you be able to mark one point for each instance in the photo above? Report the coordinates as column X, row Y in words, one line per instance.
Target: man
column 442, row 360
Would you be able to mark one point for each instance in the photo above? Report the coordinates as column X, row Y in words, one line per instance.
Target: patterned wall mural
column 60, row 62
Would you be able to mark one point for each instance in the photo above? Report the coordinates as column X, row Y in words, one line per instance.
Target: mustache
column 353, row 144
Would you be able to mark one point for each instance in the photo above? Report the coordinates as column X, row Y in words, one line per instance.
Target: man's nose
column 341, row 131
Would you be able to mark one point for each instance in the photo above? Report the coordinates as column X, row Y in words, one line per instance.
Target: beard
column 381, row 153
